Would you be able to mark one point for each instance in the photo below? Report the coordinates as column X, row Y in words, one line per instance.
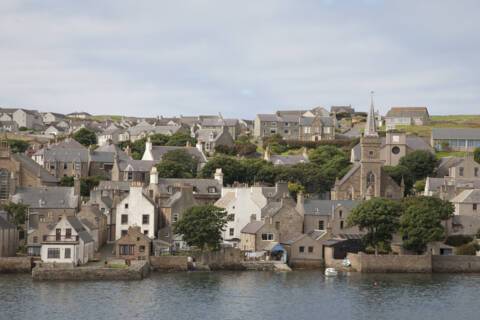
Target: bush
column 458, row 240
column 468, row 249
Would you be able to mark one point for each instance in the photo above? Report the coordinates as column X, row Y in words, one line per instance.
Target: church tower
column 370, row 162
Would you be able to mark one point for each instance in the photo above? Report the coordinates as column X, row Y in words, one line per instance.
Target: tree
column 18, row 146
column 86, row 183
column 397, row 173
column 177, row 164
column 180, row 139
column 380, row 218
column 66, row 181
column 17, row 211
column 233, row 171
column 85, row 136
column 476, row 154
column 202, row 226
column 420, row 163
column 421, row 221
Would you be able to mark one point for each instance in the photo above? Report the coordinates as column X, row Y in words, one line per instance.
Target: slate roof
column 252, row 227
column 46, row 197
column 201, row 185
column 209, row 122
column 80, row 229
column 68, row 150
column 34, row 168
column 406, row 112
column 136, row 165
column 467, row 196
column 159, row 151
column 114, row 185
column 350, row 172
column 325, row 207
column 455, row 133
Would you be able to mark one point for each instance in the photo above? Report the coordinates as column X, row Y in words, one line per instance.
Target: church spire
column 371, row 127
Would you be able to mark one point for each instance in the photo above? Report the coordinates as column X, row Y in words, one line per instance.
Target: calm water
column 245, row 295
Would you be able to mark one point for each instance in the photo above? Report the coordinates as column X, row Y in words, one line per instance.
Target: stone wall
column 306, row 263
column 455, row 264
column 137, row 271
column 225, row 258
column 16, row 265
column 390, row 263
column 173, row 263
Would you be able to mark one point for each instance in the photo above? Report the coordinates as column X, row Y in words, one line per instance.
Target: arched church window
column 370, row 179
column 4, row 184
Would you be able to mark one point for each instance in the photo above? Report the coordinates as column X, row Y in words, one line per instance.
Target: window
column 53, row 253
column 126, row 205
column 124, row 232
column 340, row 214
column 475, row 172
column 124, row 218
column 129, row 175
column 175, row 217
column 41, row 218
column 231, row 231
column 301, row 249
column 341, row 224
column 231, row 217
column 4, row 184
column 460, row 171
column 395, row 150
column 277, row 225
column 68, row 233
column 310, row 249
column 145, row 219
column 35, row 239
column 68, row 253
column 65, row 166
column 321, row 225
column 326, row 130
column 145, row 232
column 212, row 190
column 474, row 207
column 141, row 249
column 267, row 236
column 126, row 249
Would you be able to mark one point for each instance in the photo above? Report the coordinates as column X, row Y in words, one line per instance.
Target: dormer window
column 460, row 171
column 212, row 189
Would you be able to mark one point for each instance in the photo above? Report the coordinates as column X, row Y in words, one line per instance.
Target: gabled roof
column 201, row 186
column 467, row 196
column 405, row 112
column 47, row 197
column 325, row 207
column 455, row 133
column 136, row 165
column 34, row 168
column 252, row 227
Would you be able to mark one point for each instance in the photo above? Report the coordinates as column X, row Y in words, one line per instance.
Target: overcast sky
column 240, row 58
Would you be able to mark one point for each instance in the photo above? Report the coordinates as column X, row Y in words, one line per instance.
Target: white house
column 243, row 205
column 50, row 117
column 68, row 242
column 136, row 209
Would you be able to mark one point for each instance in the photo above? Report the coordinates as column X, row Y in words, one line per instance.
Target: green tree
column 180, row 139
column 85, row 136
column 17, row 211
column 88, row 183
column 202, row 226
column 380, row 218
column 476, row 154
column 232, row 168
column 177, row 164
column 66, row 181
column 400, row 172
column 422, row 220
column 18, row 146
column 420, row 163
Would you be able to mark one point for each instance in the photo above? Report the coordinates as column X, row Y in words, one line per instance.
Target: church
column 367, row 179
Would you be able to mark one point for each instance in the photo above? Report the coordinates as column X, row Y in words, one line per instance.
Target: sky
column 238, row 58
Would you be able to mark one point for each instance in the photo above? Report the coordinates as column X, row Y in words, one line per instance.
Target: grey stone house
column 455, row 139
column 406, row 116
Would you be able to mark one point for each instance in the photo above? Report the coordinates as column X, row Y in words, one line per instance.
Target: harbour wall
column 16, row 265
column 169, row 263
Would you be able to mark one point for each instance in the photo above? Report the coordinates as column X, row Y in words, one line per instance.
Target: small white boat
column 331, row 272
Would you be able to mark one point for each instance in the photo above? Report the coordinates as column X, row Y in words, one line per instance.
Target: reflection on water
column 246, row 295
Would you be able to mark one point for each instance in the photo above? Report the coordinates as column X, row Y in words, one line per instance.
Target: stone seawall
column 306, row 264
column 223, row 259
column 391, row 263
column 456, row 264
column 169, row 263
column 136, row 271
column 16, row 265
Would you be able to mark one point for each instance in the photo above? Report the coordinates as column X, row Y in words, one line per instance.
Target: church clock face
column 395, row 150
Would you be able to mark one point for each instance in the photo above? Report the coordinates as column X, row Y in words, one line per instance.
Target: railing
column 57, row 238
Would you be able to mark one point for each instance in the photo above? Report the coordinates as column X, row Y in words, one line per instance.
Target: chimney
column 154, row 175
column 148, row 144
column 219, row 176
column 300, row 203
column 128, row 151
column 76, row 185
column 253, row 217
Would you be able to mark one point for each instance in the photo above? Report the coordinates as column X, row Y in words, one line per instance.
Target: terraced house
column 304, row 125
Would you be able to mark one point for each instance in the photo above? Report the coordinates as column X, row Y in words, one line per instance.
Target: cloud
column 240, row 58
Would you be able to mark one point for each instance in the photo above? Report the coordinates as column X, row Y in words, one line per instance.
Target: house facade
column 455, row 139
column 8, row 238
column 133, row 245
column 406, row 116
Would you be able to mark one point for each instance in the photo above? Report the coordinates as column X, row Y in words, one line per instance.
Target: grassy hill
column 452, row 121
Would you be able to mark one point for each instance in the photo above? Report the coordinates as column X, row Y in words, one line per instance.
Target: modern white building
column 68, row 242
column 136, row 209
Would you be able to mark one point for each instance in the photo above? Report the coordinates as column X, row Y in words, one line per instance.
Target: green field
column 452, row 121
